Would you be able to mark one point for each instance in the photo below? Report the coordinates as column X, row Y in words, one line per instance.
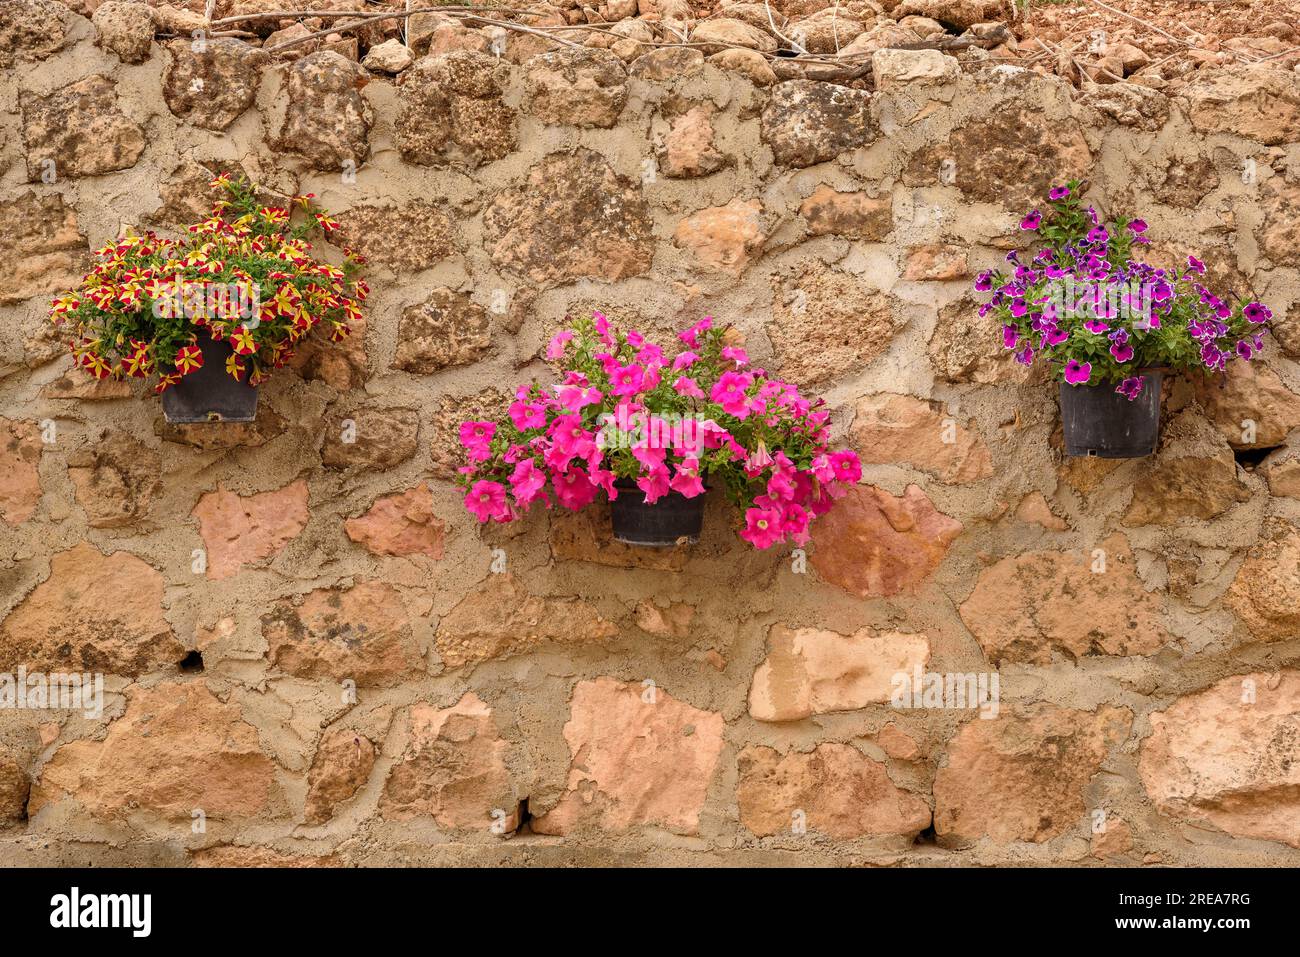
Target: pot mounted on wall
column 1100, row 422
column 674, row 519
column 209, row 394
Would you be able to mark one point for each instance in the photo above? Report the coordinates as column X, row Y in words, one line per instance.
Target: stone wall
column 311, row 643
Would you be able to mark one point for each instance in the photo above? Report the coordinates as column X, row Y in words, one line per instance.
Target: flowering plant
column 624, row 414
column 244, row 274
column 1087, row 306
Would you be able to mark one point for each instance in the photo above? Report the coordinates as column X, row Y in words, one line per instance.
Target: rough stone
column 812, row 671
column 15, row 786
column 362, row 633
column 724, row 238
column 873, row 544
column 586, row 536
column 453, row 111
column 400, row 524
column 893, row 68
column 416, row 235
column 391, row 56
column 326, row 121
column 20, row 476
column 31, row 30
column 381, row 438
column 500, row 619
column 898, row 429
column 211, row 89
column 1186, row 486
column 1258, row 101
column 342, row 765
column 1279, row 236
column 447, row 329
column 178, row 747
column 1022, row 776
column 936, row 262
column 962, row 14
column 808, row 122
column 241, row 530
column 1263, row 594
column 116, row 479
column 635, row 763
column 720, row 33
column 453, row 770
column 688, row 149
column 1026, row 607
column 124, row 28
column 748, row 63
column 840, row 792
column 568, row 87
column 1253, row 393
column 827, row 324
column 1226, row 756
column 80, row 129
column 572, row 218
column 851, row 215
column 93, row 613
column 967, row 347
column 42, row 250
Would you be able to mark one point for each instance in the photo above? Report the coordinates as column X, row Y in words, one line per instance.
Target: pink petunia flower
column 476, row 437
column 487, row 500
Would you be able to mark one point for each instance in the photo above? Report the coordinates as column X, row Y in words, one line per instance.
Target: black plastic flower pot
column 1100, row 422
column 210, row 393
column 673, row 519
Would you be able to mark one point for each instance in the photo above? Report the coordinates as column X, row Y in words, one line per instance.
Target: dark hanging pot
column 1100, row 422
column 210, row 394
column 671, row 520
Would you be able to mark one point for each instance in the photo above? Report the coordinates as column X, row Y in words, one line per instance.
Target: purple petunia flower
column 984, row 281
column 1131, row 387
column 1078, row 373
column 1245, row 350
column 1032, row 221
column 1195, row 265
column 1137, row 227
column 1010, row 337
column 1098, row 234
column 1257, row 312
column 1025, row 356
column 1122, row 352
column 1096, row 326
column 1058, row 192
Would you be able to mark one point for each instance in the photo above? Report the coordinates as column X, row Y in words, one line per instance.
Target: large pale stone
column 812, row 671
column 240, row 530
column 342, row 765
column 827, row 323
column 453, row 111
column 453, row 770
column 720, row 33
column 400, row 524
column 362, row 633
column 1022, row 776
column 586, row 87
column 80, row 129
column 500, row 619
column 1229, row 756
column 447, row 329
column 572, row 218
column 326, row 121
column 1259, row 101
column 42, row 251
column 1279, row 236
column 874, row 545
column 177, row 748
column 807, row 121
column 94, row 613
column 688, row 148
column 962, row 14
column 1264, row 593
column 406, row 238
column 116, row 479
column 724, row 238
column 900, row 429
column 211, row 88
column 635, row 762
column 1027, row 607
column 834, row 790
column 897, row 68
column 20, row 477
